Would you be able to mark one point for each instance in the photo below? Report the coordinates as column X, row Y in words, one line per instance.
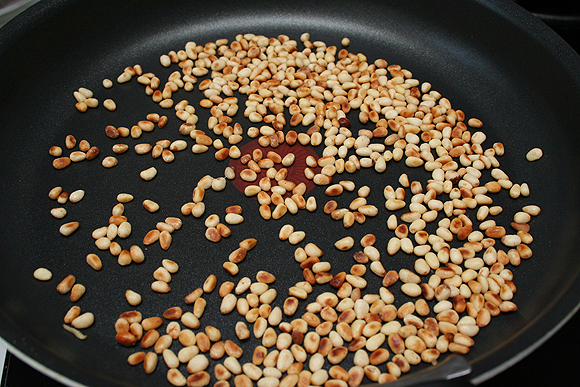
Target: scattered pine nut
column 42, row 274
column 110, row 105
column 534, row 154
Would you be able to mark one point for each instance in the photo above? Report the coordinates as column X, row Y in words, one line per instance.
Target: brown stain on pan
column 295, row 171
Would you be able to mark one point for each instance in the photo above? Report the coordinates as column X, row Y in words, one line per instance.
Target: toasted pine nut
column 68, row 228
column 345, row 243
column 77, row 292
column 66, row 284
column 231, row 268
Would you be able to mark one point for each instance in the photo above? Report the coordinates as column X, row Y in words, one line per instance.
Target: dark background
column 553, row 361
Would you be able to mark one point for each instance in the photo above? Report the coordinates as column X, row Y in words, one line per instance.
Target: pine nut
column 109, row 162
column 345, row 243
column 148, row 174
column 83, row 321
column 42, row 274
column 77, row 292
column 68, row 228
column 132, row 297
column 66, row 284
column 534, row 154
column 160, row 287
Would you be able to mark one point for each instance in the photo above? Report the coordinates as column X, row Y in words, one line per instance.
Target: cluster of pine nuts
column 163, row 148
column 460, row 276
column 238, row 255
column 85, row 99
column 358, row 209
column 74, row 313
column 163, row 231
column 62, row 197
column 74, row 321
column 276, row 186
column 215, row 229
column 162, row 276
column 85, row 152
column 106, row 237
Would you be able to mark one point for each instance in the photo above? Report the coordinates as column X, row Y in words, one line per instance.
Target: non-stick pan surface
column 491, row 60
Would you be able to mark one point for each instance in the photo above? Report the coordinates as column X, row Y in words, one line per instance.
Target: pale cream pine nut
column 522, row 217
column 103, row 243
column 531, row 209
column 124, row 230
column 76, row 196
column 109, row 104
column 112, row 231
column 296, row 237
column 125, row 76
column 148, row 173
column 118, row 209
column 83, row 321
column 233, row 218
column 534, row 154
column 285, row 232
column 228, row 304
column 243, row 306
column 42, row 274
column 124, row 198
column 268, row 296
column 525, row 190
column 198, row 363
column 219, row 184
column 243, row 285
column 58, row 213
column 160, row 287
column 187, row 353
column 212, row 220
column 133, row 298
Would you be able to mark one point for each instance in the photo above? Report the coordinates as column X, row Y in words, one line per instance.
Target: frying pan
column 490, row 59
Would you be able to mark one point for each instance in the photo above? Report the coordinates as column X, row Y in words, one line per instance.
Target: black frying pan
column 493, row 61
